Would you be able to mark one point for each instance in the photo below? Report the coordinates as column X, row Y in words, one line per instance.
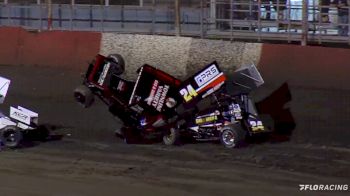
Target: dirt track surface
column 89, row 160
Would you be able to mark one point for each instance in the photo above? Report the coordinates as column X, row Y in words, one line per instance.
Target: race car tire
column 84, row 96
column 172, row 137
column 118, row 59
column 11, row 136
column 232, row 136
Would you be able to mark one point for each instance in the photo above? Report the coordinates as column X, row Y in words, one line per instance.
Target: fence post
column 91, row 17
column 9, row 12
column 348, row 24
column 49, row 15
column 122, row 14
column 213, row 13
column 103, row 17
column 231, row 19
column 259, row 19
column 41, row 15
column 201, row 20
column 177, row 18
column 305, row 23
column 153, row 15
column 60, row 15
column 71, row 14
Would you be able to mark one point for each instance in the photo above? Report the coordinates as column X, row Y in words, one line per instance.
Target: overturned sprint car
column 19, row 122
column 203, row 107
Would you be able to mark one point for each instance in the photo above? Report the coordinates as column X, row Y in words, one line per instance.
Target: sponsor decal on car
column 256, row 125
column 206, row 119
column 19, row 115
column 206, row 75
column 104, row 74
column 153, row 92
column 203, row 84
column 157, row 95
column 188, row 93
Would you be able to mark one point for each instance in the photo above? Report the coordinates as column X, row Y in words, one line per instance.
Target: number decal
column 252, row 123
column 188, row 93
column 256, row 126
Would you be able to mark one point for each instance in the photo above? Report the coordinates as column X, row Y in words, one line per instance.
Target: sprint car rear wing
column 4, row 86
column 26, row 118
column 246, row 79
column 202, row 84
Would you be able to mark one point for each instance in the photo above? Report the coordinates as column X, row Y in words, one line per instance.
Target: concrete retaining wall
column 308, row 66
column 167, row 53
column 55, row 48
column 179, row 56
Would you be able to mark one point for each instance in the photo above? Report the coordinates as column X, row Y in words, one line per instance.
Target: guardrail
column 257, row 20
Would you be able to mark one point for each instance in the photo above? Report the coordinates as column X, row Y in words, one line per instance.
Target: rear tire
column 172, row 137
column 11, row 136
column 84, row 96
column 118, row 59
column 232, row 136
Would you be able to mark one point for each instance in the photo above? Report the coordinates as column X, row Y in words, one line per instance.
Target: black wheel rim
column 10, row 137
column 228, row 138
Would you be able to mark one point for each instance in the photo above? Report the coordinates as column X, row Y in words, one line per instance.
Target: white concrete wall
column 179, row 56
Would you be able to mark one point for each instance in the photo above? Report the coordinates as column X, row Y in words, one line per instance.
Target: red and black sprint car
column 158, row 104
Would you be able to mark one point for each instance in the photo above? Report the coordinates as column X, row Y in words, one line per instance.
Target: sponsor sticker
column 153, row 92
column 206, row 75
column 104, row 74
column 19, row 115
column 157, row 95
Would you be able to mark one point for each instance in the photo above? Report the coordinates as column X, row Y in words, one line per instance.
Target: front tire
column 84, row 96
column 172, row 137
column 232, row 136
column 11, row 136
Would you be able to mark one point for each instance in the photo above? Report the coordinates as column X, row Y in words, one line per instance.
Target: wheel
column 11, row 136
column 172, row 137
column 232, row 136
column 118, row 59
column 84, row 96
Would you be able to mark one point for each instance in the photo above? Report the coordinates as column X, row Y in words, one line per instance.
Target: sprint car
column 158, row 104
column 19, row 122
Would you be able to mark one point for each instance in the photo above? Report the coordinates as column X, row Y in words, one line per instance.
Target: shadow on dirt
column 275, row 105
column 44, row 133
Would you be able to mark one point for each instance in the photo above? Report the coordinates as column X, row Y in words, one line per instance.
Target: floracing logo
column 323, row 187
